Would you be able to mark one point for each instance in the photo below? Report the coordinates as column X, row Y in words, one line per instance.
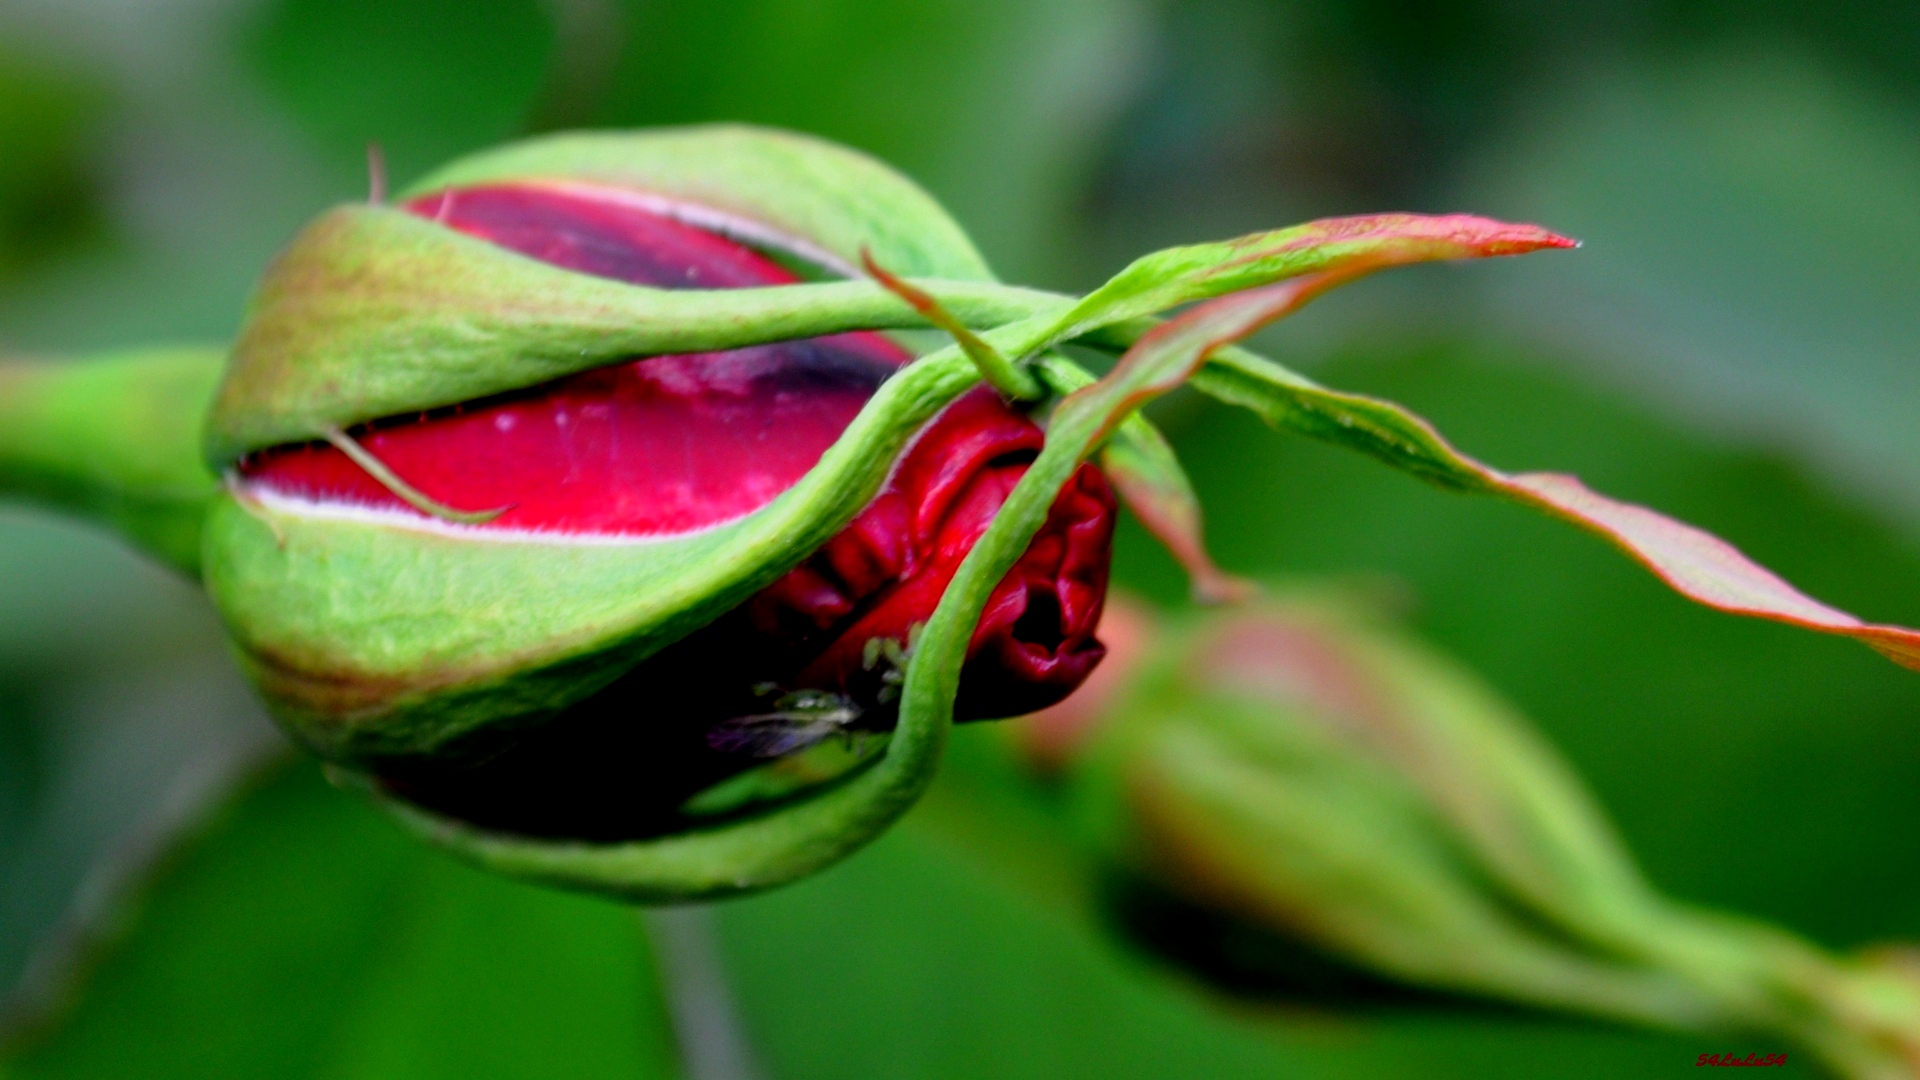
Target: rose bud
column 559, row 492
column 1301, row 768
column 675, row 445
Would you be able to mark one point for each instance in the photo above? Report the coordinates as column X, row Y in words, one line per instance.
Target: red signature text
column 1738, row 1062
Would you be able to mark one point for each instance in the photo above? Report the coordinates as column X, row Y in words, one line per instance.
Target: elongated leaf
column 1696, row 564
column 1175, row 276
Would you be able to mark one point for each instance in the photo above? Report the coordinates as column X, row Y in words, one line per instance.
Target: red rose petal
column 654, row 447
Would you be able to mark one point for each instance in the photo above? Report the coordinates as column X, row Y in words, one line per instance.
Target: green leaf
column 301, row 935
column 115, row 439
column 1726, row 749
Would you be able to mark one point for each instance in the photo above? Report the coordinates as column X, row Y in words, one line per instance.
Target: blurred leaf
column 302, row 935
column 1752, row 218
column 120, row 710
column 997, row 106
column 46, row 193
column 426, row 79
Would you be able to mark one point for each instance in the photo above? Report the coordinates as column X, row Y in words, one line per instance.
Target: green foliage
column 46, row 197
column 998, row 106
column 426, row 79
column 301, row 935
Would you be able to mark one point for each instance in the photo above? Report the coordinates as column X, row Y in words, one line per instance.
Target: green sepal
column 115, row 439
column 1181, row 275
column 373, row 312
column 372, row 638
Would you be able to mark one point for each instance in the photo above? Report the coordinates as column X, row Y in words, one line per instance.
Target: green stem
column 115, row 440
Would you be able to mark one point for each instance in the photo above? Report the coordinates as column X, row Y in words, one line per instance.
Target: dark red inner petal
column 602, row 235
column 653, row 447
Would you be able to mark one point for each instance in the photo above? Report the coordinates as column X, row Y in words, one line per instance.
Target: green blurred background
column 1736, row 344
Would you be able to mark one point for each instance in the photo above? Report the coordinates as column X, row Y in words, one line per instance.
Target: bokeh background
column 1738, row 344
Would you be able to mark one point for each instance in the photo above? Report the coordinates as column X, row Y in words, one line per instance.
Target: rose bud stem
column 115, row 439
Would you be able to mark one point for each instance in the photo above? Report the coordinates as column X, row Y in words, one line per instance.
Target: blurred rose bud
column 558, row 607
column 1300, row 766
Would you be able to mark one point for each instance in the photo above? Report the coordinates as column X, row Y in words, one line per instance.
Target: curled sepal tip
column 1005, row 376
